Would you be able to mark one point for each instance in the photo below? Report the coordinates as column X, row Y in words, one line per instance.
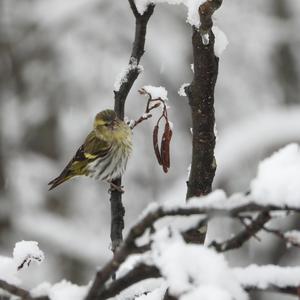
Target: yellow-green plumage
column 104, row 153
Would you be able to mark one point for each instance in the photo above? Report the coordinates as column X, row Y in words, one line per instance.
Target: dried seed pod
column 155, row 144
column 169, row 141
column 165, row 147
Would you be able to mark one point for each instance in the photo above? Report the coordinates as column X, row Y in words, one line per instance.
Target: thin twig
column 18, row 291
column 282, row 236
column 289, row 290
column 243, row 236
column 137, row 274
column 117, row 208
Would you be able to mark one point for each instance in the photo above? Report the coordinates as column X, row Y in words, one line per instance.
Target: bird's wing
column 94, row 147
column 91, row 149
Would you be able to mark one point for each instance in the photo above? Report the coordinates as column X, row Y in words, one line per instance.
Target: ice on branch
column 156, row 92
column 277, row 180
column 193, row 276
column 25, row 252
column 181, row 91
column 123, row 75
column 221, row 41
column 268, row 276
column 191, row 5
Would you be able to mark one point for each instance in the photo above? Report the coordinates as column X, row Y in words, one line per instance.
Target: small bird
column 104, row 154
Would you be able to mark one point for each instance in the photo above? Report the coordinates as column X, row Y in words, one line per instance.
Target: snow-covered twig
column 101, row 286
column 139, row 273
column 18, row 291
column 243, row 236
column 286, row 237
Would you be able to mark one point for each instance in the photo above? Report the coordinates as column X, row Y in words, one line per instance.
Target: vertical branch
column 201, row 100
column 141, row 21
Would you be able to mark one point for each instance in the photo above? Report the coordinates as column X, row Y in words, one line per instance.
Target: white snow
column 8, row 270
column 156, row 294
column 207, row 292
column 41, row 290
column 181, row 91
column 60, row 291
column 277, row 180
column 205, row 38
column 246, row 140
column 264, row 276
column 191, row 5
column 23, row 254
column 221, row 41
column 193, row 14
column 122, row 77
column 293, row 237
column 156, row 92
column 209, row 269
column 27, row 251
column 192, row 68
column 66, row 290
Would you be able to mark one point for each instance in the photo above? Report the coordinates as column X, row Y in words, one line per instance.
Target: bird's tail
column 58, row 180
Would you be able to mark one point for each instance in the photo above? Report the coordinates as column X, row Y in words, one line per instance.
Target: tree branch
column 117, row 209
column 242, row 237
column 129, row 247
column 201, row 100
column 206, row 10
column 20, row 292
column 292, row 290
column 139, row 273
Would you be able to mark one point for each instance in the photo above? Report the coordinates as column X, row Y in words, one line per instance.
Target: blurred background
column 58, row 64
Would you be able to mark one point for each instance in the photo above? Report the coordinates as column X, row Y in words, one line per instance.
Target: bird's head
column 107, row 125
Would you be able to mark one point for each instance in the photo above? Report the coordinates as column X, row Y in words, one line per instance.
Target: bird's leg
column 114, row 187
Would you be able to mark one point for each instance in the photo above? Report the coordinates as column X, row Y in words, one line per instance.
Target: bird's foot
column 114, row 187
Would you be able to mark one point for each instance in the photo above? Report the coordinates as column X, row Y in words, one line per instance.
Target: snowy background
column 58, row 65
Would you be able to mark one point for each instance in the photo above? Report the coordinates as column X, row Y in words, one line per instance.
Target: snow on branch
column 122, row 78
column 26, row 252
column 212, row 206
column 208, row 8
column 158, row 245
column 271, row 278
column 18, row 291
